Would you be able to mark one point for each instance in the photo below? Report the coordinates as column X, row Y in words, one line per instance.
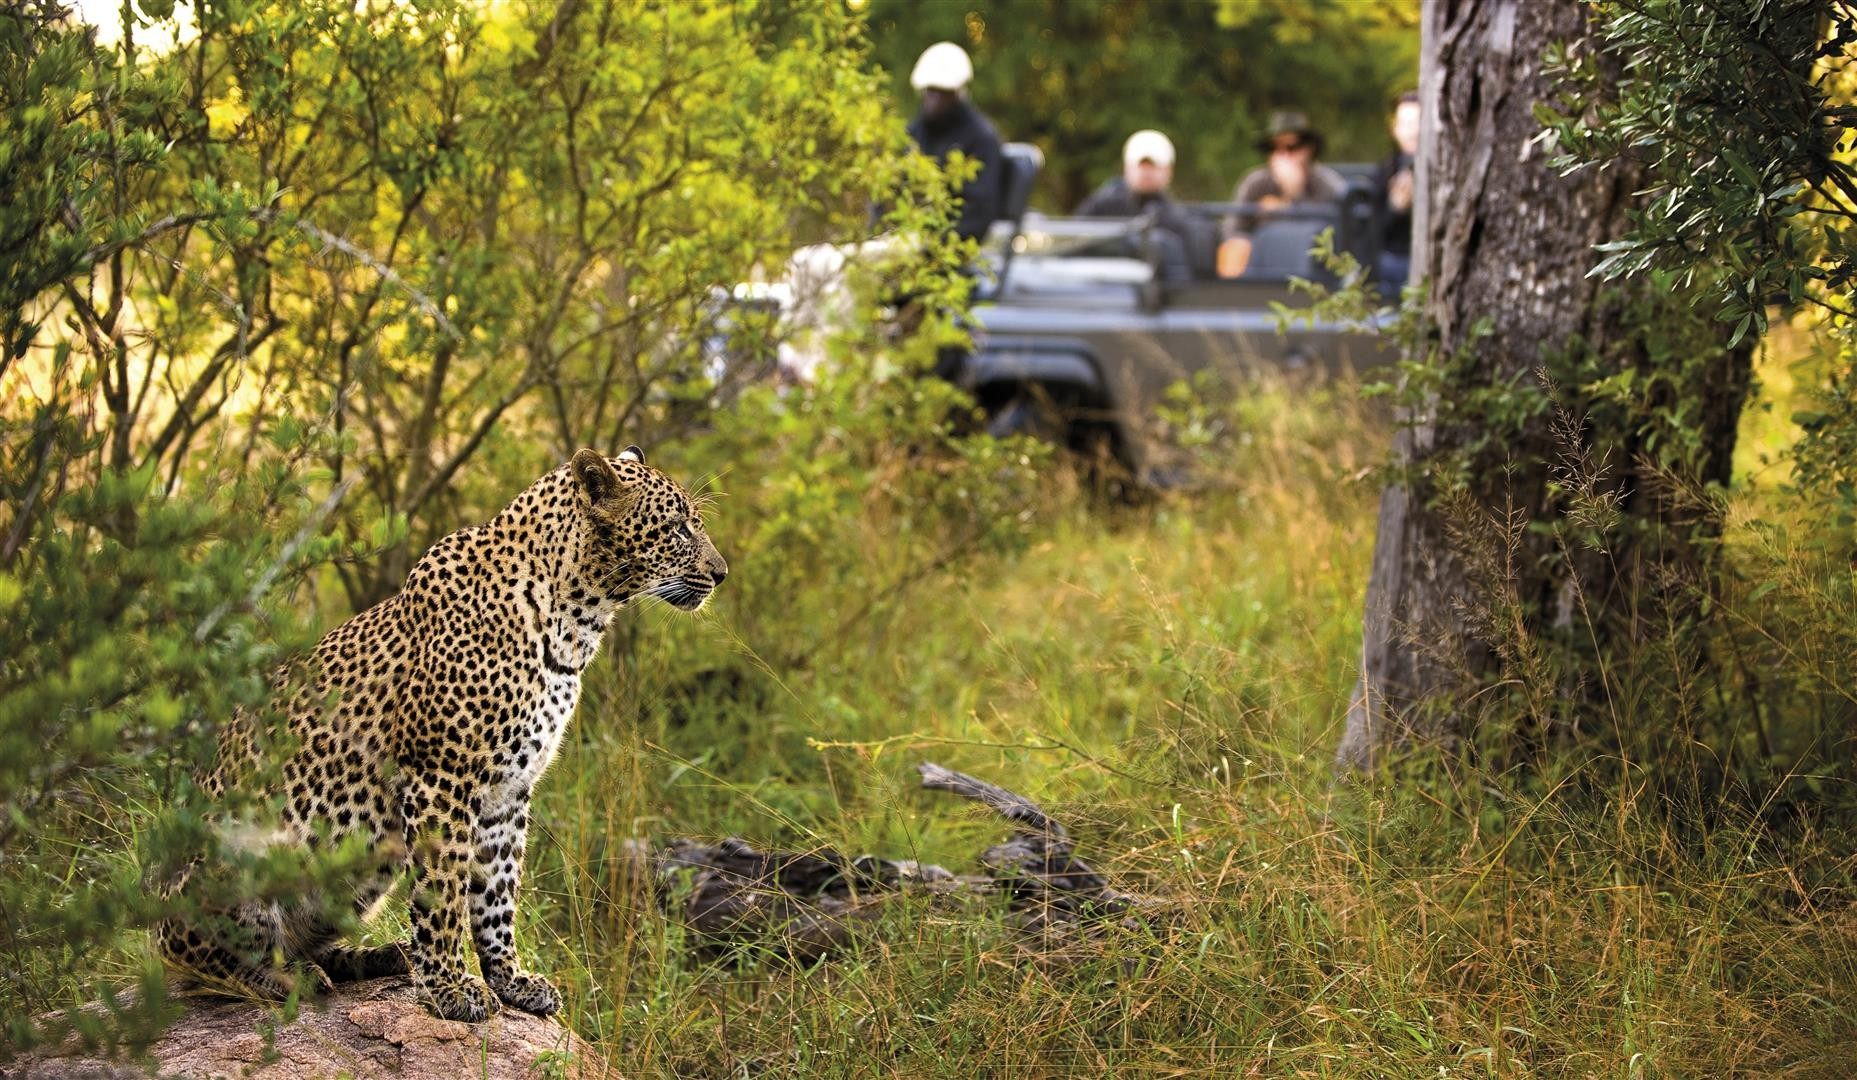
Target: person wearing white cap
column 1147, row 173
column 948, row 122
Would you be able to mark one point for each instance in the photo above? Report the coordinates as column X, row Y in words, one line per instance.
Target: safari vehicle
column 1078, row 334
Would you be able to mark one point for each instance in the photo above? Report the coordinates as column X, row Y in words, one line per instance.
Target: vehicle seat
column 1022, row 163
column 1361, row 224
column 1202, row 247
column 1280, row 247
column 1358, row 174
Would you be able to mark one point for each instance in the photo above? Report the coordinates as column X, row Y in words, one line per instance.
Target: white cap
column 942, row 66
column 1150, row 145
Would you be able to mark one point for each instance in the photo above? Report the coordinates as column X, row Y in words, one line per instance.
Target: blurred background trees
column 1077, row 77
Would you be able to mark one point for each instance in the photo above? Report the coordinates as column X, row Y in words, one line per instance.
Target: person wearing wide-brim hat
column 1290, row 175
column 1292, row 128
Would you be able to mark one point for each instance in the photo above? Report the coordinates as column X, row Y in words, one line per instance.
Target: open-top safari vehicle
column 1081, row 325
column 1081, row 328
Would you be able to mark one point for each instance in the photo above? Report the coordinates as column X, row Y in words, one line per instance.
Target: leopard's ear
column 597, row 476
column 632, row 453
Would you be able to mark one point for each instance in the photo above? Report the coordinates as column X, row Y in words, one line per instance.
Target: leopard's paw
column 460, row 997
column 530, row 993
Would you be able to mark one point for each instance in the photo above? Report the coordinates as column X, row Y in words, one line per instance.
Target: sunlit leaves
column 1076, row 77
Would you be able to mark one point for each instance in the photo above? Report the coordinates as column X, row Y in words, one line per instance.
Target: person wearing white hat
column 942, row 66
column 1147, row 173
column 948, row 122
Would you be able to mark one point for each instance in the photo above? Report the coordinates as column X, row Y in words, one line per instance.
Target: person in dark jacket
column 948, row 122
column 1394, row 185
column 1141, row 190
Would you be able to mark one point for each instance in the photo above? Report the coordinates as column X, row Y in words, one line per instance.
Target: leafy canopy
column 1077, row 77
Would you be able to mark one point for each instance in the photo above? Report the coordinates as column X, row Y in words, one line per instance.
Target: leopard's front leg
column 502, row 836
column 439, row 828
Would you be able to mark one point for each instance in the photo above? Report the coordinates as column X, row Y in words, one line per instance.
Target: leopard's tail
column 244, row 953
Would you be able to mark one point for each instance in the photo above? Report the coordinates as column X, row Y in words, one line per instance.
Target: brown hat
column 1288, row 122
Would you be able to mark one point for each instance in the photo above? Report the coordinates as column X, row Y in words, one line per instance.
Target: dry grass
column 1169, row 681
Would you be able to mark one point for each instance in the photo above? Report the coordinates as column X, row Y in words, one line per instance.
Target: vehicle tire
column 1103, row 471
column 1031, row 414
column 1089, row 445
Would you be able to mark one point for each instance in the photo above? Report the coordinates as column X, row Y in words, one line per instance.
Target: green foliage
column 133, row 623
column 451, row 229
column 1166, row 681
column 130, row 621
column 325, row 280
column 1077, row 77
column 61, row 161
column 1735, row 107
column 1743, row 112
column 313, row 284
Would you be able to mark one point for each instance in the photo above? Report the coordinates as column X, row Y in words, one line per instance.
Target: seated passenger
column 1393, row 187
column 1289, row 177
column 1147, row 172
column 947, row 122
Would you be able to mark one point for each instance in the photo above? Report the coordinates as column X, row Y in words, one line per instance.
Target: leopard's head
column 645, row 534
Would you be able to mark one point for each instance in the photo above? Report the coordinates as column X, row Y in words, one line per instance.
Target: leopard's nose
column 719, row 571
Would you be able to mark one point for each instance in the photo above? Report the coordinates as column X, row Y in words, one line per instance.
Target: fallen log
column 809, row 905
column 730, row 896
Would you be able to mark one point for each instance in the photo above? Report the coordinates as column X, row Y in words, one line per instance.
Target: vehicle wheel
column 1028, row 414
column 1103, row 472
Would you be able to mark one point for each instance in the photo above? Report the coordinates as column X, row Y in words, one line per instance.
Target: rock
column 371, row 1029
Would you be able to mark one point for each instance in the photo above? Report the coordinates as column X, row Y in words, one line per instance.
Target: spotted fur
column 428, row 719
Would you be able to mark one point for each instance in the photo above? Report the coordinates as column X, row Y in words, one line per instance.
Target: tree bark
column 1505, row 243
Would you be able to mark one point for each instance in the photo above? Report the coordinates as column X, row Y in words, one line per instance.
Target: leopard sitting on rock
column 427, row 719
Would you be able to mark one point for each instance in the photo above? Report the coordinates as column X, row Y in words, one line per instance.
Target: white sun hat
column 942, row 66
column 1150, row 145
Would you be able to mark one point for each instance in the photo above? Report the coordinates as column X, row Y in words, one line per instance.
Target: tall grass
column 1168, row 680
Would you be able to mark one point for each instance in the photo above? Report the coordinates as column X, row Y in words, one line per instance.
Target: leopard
column 423, row 725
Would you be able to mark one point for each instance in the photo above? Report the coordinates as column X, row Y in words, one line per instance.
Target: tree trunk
column 1505, row 243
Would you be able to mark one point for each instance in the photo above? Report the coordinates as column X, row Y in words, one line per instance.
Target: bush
column 303, row 289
